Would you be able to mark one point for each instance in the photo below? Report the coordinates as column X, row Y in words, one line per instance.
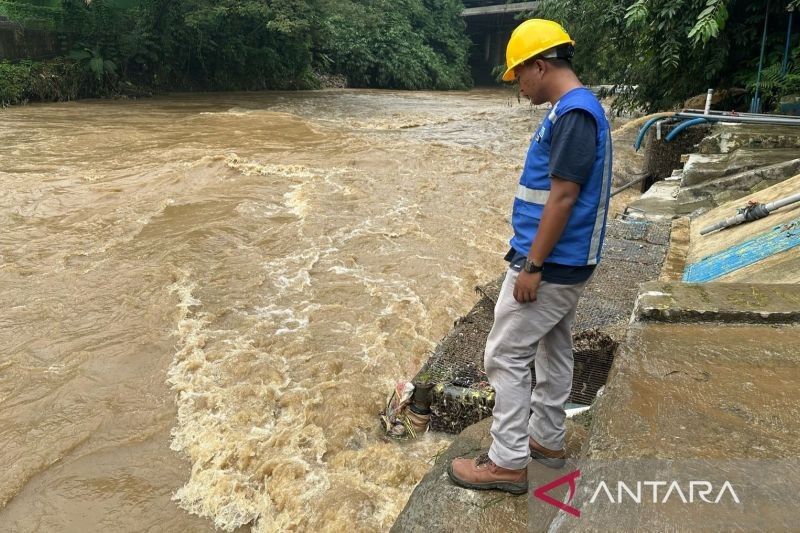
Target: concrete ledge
column 700, row 168
column 687, row 391
column 689, row 401
column 660, row 203
column 730, row 137
column 735, row 186
column 675, row 262
column 718, row 302
column 779, row 268
column 438, row 505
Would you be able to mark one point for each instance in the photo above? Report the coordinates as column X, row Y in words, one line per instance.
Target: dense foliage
column 36, row 80
column 118, row 45
column 673, row 49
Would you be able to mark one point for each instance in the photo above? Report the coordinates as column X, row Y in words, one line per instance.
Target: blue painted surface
column 779, row 239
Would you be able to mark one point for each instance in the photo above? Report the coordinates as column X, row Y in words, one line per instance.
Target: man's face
column 530, row 76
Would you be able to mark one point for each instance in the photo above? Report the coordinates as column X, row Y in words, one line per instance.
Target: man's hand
column 526, row 287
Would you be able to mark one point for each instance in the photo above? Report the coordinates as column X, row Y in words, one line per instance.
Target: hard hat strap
column 562, row 51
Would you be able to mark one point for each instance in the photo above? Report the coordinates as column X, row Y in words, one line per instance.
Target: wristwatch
column 531, row 268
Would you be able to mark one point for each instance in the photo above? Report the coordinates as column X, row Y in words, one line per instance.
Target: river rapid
column 207, row 298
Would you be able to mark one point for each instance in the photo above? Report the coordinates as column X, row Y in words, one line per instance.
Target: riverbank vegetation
column 662, row 52
column 109, row 47
column 667, row 51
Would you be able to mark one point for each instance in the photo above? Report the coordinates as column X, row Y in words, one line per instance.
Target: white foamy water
column 209, row 297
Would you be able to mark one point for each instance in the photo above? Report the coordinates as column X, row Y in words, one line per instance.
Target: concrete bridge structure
column 489, row 26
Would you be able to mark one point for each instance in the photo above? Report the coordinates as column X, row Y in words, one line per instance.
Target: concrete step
column 731, row 187
column 700, row 168
column 727, row 138
column 660, row 203
column 718, row 302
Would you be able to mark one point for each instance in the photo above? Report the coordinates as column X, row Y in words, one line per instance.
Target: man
column 559, row 220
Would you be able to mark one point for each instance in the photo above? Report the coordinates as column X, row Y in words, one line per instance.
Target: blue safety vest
column 582, row 239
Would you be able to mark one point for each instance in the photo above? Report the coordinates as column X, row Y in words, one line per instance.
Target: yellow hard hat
column 531, row 38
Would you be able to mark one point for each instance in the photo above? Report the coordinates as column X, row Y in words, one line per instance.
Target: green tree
column 406, row 44
column 669, row 49
column 260, row 44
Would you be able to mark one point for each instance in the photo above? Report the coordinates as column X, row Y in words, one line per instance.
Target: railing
column 489, row 8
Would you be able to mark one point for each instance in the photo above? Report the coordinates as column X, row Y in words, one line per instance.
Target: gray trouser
column 512, row 345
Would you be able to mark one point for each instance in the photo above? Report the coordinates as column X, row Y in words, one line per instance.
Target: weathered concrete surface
column 438, row 505
column 659, row 202
column 731, row 161
column 731, row 187
column 718, row 302
column 728, row 137
column 720, row 396
column 779, row 268
column 516, row 7
column 17, row 42
column 675, row 262
column 700, row 168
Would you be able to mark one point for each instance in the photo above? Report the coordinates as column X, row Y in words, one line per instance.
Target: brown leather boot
column 481, row 473
column 546, row 456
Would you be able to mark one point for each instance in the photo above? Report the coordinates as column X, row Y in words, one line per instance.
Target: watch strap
column 532, row 268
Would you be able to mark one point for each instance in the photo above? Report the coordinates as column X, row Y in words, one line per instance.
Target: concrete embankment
column 705, row 395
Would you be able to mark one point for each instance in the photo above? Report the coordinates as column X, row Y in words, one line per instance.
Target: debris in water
column 407, row 411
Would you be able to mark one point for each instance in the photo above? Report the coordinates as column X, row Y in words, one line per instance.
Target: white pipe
column 716, row 112
column 743, row 119
column 777, row 204
column 740, row 217
column 708, row 101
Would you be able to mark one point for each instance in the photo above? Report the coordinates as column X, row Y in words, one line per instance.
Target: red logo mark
column 570, row 478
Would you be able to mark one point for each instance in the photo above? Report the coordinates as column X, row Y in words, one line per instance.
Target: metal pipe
column 785, row 121
column 714, row 112
column 755, row 104
column 643, row 131
column 750, row 213
column 630, row 184
column 785, row 64
column 683, row 125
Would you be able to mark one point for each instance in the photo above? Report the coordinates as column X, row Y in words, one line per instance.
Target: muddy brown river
column 207, row 298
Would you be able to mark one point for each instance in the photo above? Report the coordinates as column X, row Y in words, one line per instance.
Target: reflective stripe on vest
column 600, row 219
column 533, row 196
